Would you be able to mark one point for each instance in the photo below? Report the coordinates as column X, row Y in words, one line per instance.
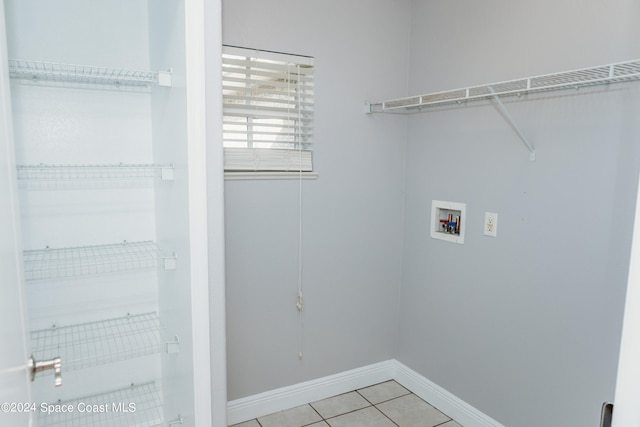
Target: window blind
column 267, row 110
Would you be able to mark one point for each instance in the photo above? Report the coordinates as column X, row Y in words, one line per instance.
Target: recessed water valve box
column 448, row 221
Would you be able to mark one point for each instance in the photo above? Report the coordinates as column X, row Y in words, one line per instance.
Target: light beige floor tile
column 450, row 424
column 296, row 417
column 411, row 411
column 320, row 424
column 367, row 417
column 383, row 391
column 340, row 404
column 250, row 423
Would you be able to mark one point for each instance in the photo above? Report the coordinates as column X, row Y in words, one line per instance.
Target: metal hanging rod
column 600, row 75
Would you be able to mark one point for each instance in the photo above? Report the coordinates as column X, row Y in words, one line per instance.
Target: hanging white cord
column 300, row 298
column 298, row 138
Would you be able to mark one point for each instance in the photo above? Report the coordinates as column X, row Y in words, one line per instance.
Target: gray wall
column 352, row 212
column 526, row 326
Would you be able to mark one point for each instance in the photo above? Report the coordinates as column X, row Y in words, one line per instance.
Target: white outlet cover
column 490, row 224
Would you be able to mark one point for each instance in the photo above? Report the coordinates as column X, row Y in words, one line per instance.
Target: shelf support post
column 505, row 113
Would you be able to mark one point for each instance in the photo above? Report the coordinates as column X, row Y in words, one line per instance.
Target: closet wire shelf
column 106, row 341
column 85, row 74
column 120, row 171
column 146, row 409
column 600, row 75
column 57, row 263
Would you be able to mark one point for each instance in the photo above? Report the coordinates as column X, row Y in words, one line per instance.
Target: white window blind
column 267, row 110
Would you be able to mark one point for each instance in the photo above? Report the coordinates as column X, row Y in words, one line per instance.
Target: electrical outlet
column 490, row 224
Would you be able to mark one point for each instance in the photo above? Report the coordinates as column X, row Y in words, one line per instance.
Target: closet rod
column 599, row 75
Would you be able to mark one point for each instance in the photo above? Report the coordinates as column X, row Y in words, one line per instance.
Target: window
column 267, row 110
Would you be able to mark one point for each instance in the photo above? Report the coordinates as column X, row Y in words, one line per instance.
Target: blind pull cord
column 298, row 124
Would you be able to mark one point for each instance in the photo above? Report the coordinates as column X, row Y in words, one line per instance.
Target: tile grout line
column 398, row 397
column 378, row 409
column 386, row 416
column 345, row 413
column 319, row 414
column 376, row 405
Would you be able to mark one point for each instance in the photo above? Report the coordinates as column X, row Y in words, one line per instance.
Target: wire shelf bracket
column 176, row 421
column 172, row 347
column 620, row 72
column 514, row 126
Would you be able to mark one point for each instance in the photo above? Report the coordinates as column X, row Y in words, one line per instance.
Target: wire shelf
column 146, row 409
column 98, row 343
column 85, row 74
column 42, row 172
column 604, row 74
column 54, row 263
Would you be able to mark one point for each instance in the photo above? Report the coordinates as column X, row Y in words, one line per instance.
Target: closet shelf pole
column 507, row 115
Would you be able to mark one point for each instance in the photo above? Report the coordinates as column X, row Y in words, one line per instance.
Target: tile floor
column 387, row 404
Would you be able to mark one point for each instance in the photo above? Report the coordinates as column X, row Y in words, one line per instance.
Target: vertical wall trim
column 198, row 232
column 215, row 199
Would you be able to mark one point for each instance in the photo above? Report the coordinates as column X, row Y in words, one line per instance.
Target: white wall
column 352, row 212
column 526, row 326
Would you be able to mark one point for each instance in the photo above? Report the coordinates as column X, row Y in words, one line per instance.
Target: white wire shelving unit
column 68, row 262
column 95, row 172
column 146, row 399
column 599, row 75
column 106, row 341
column 85, row 74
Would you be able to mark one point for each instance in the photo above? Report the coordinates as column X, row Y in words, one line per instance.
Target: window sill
column 257, row 175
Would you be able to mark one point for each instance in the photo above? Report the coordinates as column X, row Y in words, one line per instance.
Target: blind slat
column 248, row 71
column 258, row 159
column 231, row 124
column 240, row 52
column 248, row 111
column 239, row 63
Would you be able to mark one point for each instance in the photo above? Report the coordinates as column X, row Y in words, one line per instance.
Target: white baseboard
column 280, row 399
column 284, row 398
